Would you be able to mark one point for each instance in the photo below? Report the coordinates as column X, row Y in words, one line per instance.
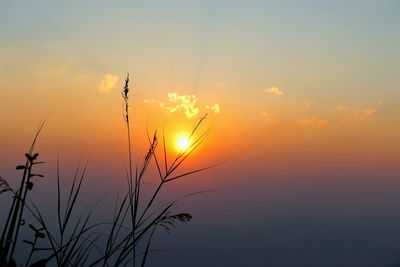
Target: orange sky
column 302, row 101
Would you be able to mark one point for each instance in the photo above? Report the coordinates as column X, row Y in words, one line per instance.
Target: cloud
column 315, row 121
column 214, row 108
column 307, row 104
column 185, row 103
column 357, row 113
column 275, row 91
column 107, row 83
column 365, row 113
column 341, row 108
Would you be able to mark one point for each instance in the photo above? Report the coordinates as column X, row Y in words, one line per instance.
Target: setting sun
column 274, row 124
column 183, row 142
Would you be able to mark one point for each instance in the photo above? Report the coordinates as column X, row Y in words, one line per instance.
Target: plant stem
column 31, row 252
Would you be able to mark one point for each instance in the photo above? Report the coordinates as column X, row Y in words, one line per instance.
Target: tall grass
column 74, row 240
column 14, row 219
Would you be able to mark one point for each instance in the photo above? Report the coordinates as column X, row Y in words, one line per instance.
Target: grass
column 74, row 240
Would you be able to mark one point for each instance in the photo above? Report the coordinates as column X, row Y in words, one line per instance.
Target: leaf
column 4, row 190
column 29, row 185
column 33, row 228
column 28, row 242
column 20, row 167
column 40, row 235
column 29, row 157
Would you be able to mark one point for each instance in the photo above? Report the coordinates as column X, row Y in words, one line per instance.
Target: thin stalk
column 133, row 196
column 13, row 222
column 13, row 230
column 7, row 223
column 31, row 252
column 21, row 209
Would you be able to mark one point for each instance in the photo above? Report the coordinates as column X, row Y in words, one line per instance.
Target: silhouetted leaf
column 29, row 185
column 40, row 235
column 20, row 167
column 33, row 228
column 4, row 190
column 29, row 157
column 28, row 242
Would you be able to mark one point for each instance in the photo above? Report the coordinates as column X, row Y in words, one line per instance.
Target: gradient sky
column 303, row 103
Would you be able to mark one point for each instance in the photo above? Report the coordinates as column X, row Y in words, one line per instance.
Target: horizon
column 302, row 104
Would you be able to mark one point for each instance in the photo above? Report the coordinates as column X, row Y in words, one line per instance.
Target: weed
column 123, row 240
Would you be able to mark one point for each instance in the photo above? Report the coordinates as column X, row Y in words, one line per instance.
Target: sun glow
column 183, row 142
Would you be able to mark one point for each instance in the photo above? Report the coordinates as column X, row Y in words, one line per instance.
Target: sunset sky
column 303, row 103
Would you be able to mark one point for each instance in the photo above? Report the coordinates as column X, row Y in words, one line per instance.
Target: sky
column 303, row 114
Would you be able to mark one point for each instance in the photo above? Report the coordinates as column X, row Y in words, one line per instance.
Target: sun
column 183, row 142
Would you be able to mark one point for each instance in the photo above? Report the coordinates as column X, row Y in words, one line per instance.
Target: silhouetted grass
column 75, row 241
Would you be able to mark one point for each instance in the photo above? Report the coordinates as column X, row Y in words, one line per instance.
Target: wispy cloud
column 185, row 103
column 214, row 108
column 275, row 91
column 315, row 121
column 365, row 113
column 107, row 83
column 341, row 108
column 357, row 113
